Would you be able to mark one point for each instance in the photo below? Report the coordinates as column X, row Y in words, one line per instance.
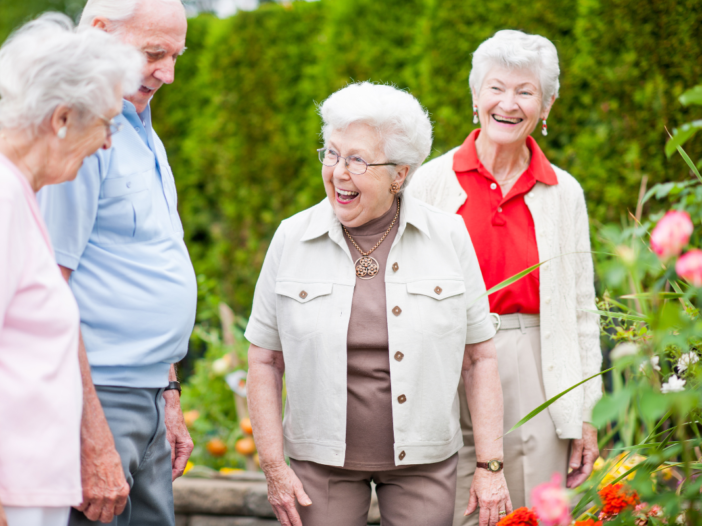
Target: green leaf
column 610, row 407
column 692, row 96
column 552, row 400
column 681, row 136
column 651, row 295
column 616, row 315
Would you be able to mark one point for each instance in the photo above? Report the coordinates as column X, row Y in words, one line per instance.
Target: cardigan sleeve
column 588, row 323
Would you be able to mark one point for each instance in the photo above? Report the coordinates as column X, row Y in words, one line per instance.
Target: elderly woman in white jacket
column 520, row 210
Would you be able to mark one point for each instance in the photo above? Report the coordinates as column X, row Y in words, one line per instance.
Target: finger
column 484, row 517
column 472, row 504
column 508, row 505
column 107, row 514
column 92, row 511
column 577, row 455
column 179, row 464
column 302, row 497
column 122, row 498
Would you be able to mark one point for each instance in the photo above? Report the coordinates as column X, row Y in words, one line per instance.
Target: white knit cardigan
column 570, row 337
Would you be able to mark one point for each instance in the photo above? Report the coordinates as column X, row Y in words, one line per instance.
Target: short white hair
column 46, row 63
column 518, row 50
column 402, row 124
column 116, row 11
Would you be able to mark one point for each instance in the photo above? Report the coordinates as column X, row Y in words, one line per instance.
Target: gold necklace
column 366, row 266
column 507, row 181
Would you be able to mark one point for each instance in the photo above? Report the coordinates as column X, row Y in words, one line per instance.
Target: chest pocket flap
column 439, row 289
column 120, row 186
column 302, row 292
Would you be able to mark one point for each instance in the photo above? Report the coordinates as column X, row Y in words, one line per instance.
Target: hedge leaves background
column 240, row 123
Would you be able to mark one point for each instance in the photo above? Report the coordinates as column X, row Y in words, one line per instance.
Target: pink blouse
column 40, row 384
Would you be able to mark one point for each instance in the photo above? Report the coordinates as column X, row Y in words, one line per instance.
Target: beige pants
column 533, row 452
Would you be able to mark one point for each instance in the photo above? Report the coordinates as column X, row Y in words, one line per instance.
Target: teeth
column 514, row 120
column 344, row 192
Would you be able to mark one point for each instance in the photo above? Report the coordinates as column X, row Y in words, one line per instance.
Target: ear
column 547, row 108
column 475, row 96
column 401, row 174
column 60, row 118
column 99, row 23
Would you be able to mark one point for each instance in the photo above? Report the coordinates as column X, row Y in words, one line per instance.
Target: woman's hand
column 585, row 452
column 489, row 492
column 283, row 489
column 3, row 518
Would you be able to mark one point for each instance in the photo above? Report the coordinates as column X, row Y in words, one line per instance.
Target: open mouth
column 147, row 91
column 506, row 120
column 345, row 196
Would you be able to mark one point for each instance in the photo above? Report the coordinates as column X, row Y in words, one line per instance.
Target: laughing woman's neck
column 501, row 160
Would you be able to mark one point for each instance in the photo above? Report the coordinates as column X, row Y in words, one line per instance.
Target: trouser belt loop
column 521, row 323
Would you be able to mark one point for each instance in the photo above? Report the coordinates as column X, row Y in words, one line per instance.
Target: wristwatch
column 173, row 386
column 491, row 465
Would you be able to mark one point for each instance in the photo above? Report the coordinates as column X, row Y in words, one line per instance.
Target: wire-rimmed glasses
column 355, row 164
column 112, row 126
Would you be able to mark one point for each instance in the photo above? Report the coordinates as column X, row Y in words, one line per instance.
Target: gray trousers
column 136, row 419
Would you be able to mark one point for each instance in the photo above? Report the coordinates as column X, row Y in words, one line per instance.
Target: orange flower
column 616, row 498
column 519, row 517
column 588, row 522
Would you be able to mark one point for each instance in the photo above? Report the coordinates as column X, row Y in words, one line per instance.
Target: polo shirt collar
column 466, row 159
column 324, row 220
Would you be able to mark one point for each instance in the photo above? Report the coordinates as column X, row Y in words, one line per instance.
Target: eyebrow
column 159, row 49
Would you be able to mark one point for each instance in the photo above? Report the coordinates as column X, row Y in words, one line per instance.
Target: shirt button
column 395, row 267
column 399, row 356
column 548, row 300
column 438, row 290
column 499, row 209
column 402, row 399
column 396, row 311
column 548, row 334
column 493, row 186
column 303, row 294
column 402, row 455
column 550, row 367
column 559, row 431
column 129, row 184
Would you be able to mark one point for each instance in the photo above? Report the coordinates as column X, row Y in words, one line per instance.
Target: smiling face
column 510, row 105
column 158, row 30
column 357, row 199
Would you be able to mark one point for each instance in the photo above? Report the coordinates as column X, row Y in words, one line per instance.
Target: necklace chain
column 397, row 214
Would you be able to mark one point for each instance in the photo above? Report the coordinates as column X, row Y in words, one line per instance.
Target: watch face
column 494, row 465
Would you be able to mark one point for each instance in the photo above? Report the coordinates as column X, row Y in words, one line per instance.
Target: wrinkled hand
column 105, row 490
column 283, row 488
column 585, row 452
column 489, row 493
column 3, row 519
column 177, row 434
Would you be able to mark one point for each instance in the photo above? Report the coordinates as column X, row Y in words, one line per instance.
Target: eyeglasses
column 354, row 163
column 112, row 126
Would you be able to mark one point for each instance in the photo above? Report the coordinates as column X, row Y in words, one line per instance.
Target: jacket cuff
column 481, row 331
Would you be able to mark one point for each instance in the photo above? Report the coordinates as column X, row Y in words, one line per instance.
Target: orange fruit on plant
column 190, row 417
column 245, row 426
column 216, row 447
column 246, row 446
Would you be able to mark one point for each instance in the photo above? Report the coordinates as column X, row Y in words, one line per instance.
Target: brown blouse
column 369, row 429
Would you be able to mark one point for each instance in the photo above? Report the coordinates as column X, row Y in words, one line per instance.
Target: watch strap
column 491, row 465
column 173, row 386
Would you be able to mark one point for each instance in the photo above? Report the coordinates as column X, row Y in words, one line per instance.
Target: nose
column 340, row 171
column 165, row 72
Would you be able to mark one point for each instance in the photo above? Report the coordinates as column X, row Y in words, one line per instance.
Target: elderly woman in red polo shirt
column 521, row 210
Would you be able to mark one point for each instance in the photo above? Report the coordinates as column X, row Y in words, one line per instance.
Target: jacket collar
column 324, row 220
column 466, row 159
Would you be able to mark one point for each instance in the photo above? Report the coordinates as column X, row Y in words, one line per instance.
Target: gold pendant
column 367, row 267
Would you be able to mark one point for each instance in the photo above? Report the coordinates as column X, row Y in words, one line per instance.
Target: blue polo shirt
column 117, row 227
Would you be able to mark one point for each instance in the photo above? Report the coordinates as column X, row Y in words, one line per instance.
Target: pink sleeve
column 13, row 223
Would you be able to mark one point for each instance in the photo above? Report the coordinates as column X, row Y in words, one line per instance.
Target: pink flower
column 689, row 266
column 671, row 234
column 550, row 501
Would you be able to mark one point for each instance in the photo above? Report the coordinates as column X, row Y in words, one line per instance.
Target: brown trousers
column 533, row 452
column 421, row 495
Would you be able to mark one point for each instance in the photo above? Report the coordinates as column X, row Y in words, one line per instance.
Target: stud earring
column 475, row 114
column 395, row 188
column 544, row 128
column 61, row 134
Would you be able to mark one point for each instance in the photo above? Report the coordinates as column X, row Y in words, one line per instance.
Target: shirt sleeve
column 13, row 228
column 70, row 211
column 478, row 320
column 262, row 329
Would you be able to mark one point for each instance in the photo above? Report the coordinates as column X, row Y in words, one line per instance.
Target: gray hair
column 46, row 63
column 518, row 50
column 116, row 11
column 401, row 122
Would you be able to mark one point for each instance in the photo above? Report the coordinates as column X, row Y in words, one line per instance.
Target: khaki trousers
column 421, row 495
column 533, row 453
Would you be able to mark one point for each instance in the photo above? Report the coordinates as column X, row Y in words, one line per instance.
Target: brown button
column 399, row 356
column 402, row 399
column 395, row 267
column 396, row 311
column 438, row 290
column 303, row 294
column 402, row 455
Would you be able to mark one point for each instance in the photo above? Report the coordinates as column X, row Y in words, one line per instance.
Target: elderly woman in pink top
column 59, row 91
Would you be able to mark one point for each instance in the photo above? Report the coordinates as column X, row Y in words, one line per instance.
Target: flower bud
column 671, row 234
column 689, row 267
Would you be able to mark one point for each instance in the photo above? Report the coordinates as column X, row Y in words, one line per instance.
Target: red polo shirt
column 501, row 227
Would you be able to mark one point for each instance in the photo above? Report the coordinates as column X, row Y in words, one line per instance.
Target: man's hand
column 585, row 452
column 177, row 434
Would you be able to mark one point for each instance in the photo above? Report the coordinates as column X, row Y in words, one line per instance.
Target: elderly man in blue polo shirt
column 119, row 240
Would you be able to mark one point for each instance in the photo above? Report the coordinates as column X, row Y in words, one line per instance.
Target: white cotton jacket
column 436, row 305
column 570, row 336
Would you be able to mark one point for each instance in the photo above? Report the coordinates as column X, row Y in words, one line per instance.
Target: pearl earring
column 475, row 114
column 62, row 132
column 544, row 128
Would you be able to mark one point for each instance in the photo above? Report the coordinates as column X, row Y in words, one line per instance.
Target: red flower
column 519, row 517
column 588, row 522
column 616, row 498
